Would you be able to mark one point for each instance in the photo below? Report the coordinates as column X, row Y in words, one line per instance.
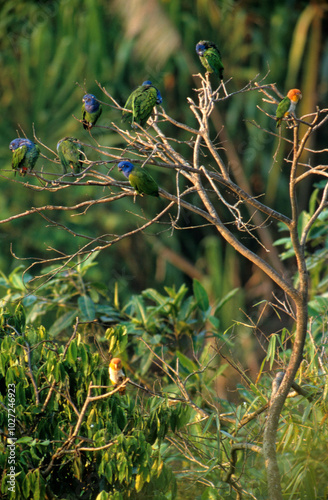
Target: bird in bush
column 288, row 105
column 210, row 57
column 91, row 110
column 116, row 374
column 139, row 178
column 141, row 102
column 25, row 155
column 71, row 154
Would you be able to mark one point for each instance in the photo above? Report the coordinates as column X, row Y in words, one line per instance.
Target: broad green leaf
column 184, row 416
column 302, row 221
column 201, row 295
column 36, row 485
column 94, row 295
column 215, row 322
column 319, row 305
column 45, row 443
column 313, row 201
column 86, row 264
column 72, row 353
column 155, row 339
column 26, row 485
column 104, row 496
column 186, row 362
column 16, row 279
column 24, row 439
column 139, row 482
column 87, row 308
column 152, row 294
column 109, row 472
column 62, row 322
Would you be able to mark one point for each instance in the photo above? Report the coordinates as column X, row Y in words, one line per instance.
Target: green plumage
column 91, row 110
column 283, row 110
column 139, row 178
column 210, row 57
column 143, row 182
column 25, row 156
column 141, row 102
column 71, row 154
column 89, row 119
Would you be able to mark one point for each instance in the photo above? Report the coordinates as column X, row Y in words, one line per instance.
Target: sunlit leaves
column 62, row 387
column 118, row 339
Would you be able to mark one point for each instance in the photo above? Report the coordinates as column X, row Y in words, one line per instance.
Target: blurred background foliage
column 54, row 51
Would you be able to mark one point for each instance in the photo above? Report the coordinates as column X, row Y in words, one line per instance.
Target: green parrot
column 139, row 178
column 71, row 154
column 288, row 105
column 91, row 110
column 210, row 57
column 25, row 155
column 141, row 102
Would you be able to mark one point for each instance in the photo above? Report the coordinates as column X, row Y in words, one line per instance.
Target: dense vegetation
column 199, row 331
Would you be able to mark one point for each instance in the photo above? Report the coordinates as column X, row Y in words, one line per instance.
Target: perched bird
column 288, row 105
column 116, row 374
column 210, row 57
column 71, row 154
column 25, row 154
column 91, row 110
column 139, row 178
column 159, row 98
column 141, row 102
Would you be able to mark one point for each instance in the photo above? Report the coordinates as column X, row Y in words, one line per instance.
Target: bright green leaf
column 200, row 295
column 62, row 323
column 87, row 308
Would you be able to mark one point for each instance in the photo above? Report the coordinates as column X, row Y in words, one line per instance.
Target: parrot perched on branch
column 287, row 105
column 116, row 374
column 91, row 110
column 71, row 154
column 141, row 102
column 25, row 155
column 210, row 57
column 139, row 178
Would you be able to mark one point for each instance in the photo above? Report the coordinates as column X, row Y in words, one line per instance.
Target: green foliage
column 316, row 261
column 47, row 47
column 47, row 411
column 171, row 324
column 126, row 434
column 139, row 445
column 62, row 299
